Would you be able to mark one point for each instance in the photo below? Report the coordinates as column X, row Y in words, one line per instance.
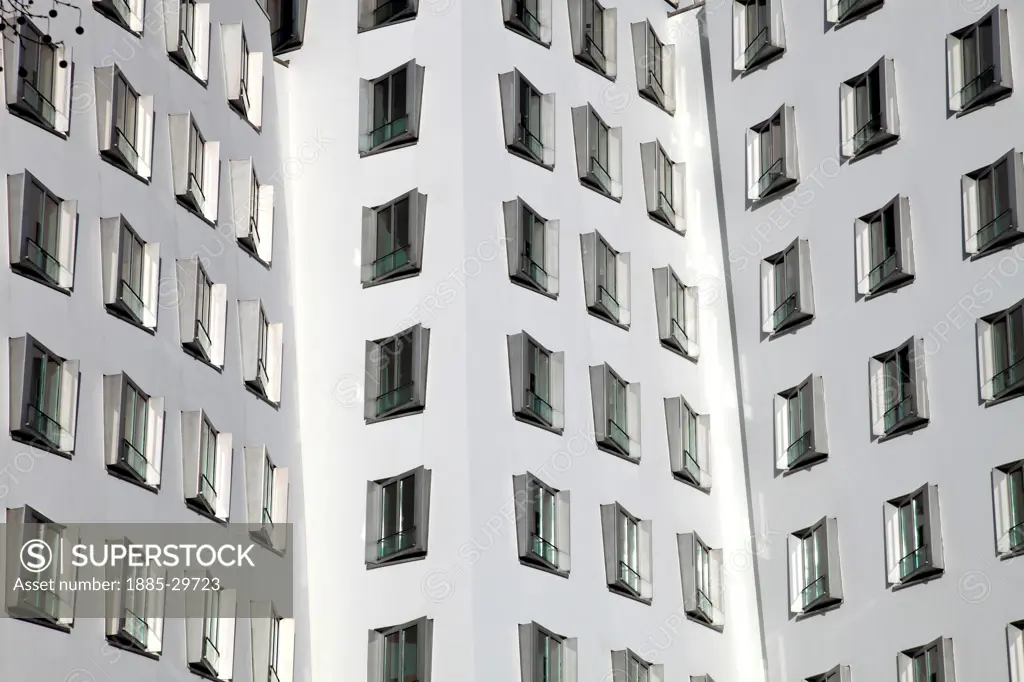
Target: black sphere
column 63, row 64
column 22, row 72
column 46, row 39
column 53, row 13
column 22, row 20
column 79, row 30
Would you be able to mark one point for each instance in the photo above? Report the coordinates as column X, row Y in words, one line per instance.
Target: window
column 207, row 464
column 815, row 581
column 44, row 397
column 869, row 116
column 528, row 117
column 542, row 524
column 787, row 289
column 244, row 71
column 913, row 537
column 689, row 443
column 1008, row 500
column 598, row 152
column 287, row 25
column 377, row 13
column 840, row 673
column 627, row 553
column 392, row 242
column 401, row 653
column 536, row 376
column 273, row 644
column 772, row 155
column 126, row 13
column 397, row 518
column 629, row 667
column 899, row 389
column 211, row 637
column 677, row 308
column 530, row 18
column 43, row 240
column 655, row 67
column 801, row 435
column 592, row 28
column 978, row 64
column 51, row 607
column 202, row 312
column 663, row 186
column 702, row 575
column 126, row 138
column 134, row 431
column 840, row 12
column 932, row 662
column 38, row 79
column 885, row 249
column 262, row 346
column 545, row 656
column 1001, row 353
column 991, row 205
column 135, row 617
column 131, row 272
column 188, row 38
column 396, row 374
column 390, row 109
column 266, row 491
column 252, row 205
column 1015, row 646
column 606, row 280
column 758, row 34
column 195, row 167
column 616, row 404
column 531, row 244
column 274, row 649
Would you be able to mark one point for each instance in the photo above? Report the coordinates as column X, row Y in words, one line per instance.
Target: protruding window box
column 664, row 187
column 992, row 198
column 978, row 63
column 899, row 390
column 677, row 308
column 537, row 377
column 131, row 274
column 758, row 33
column 815, row 578
column 801, row 430
column 124, row 123
column 616, row 406
column 210, row 639
column 885, row 249
column 598, row 152
column 396, row 375
column 593, row 32
column 202, row 312
column 542, row 524
column 244, row 73
column 772, row 155
column 397, row 518
column 392, row 239
column 379, row 13
column 133, row 432
column 53, row 608
column 187, row 36
column 43, row 94
column 206, row 456
column 42, row 232
column 689, row 436
column 262, row 351
column 529, row 18
column 703, row 577
column 389, row 109
column 869, row 113
column 627, row 553
column 655, row 67
column 528, row 117
column 44, row 397
column 531, row 244
column 787, row 288
column 606, row 280
column 195, row 167
column 913, row 537
column 126, row 13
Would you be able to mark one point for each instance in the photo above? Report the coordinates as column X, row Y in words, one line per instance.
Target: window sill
column 114, row 471
column 117, row 643
column 514, row 26
column 920, row 576
column 262, row 396
column 603, row 446
column 192, row 210
column 29, row 272
column 869, row 8
column 805, row 462
column 240, row 110
column 590, row 67
column 669, row 345
column 198, row 508
column 525, row 418
column 911, row 425
column 198, row 356
column 17, row 112
column 599, row 189
column 43, row 622
column 768, row 55
column 897, row 281
column 1010, row 394
column 629, row 594
column 409, row 555
column 402, row 20
column 107, row 156
column 38, row 444
column 1011, row 554
column 413, row 271
column 252, row 254
column 704, row 621
column 114, row 310
column 998, row 94
column 526, row 156
column 827, row 604
column 599, row 313
column 541, row 566
column 396, row 415
column 784, row 184
column 885, row 140
column 388, row 148
column 658, row 217
column 179, row 62
column 1002, row 245
column 646, row 94
column 116, row 18
column 198, row 669
column 797, row 321
column 684, row 477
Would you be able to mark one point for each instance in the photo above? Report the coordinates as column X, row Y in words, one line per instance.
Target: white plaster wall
column 978, row 594
column 471, row 582
column 78, row 327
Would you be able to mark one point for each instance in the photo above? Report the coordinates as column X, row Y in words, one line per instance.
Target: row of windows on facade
column 390, row 107
column 135, row 620
column 593, row 32
column 125, row 126
column 44, row 396
column 43, row 90
column 403, row 652
column 977, row 56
